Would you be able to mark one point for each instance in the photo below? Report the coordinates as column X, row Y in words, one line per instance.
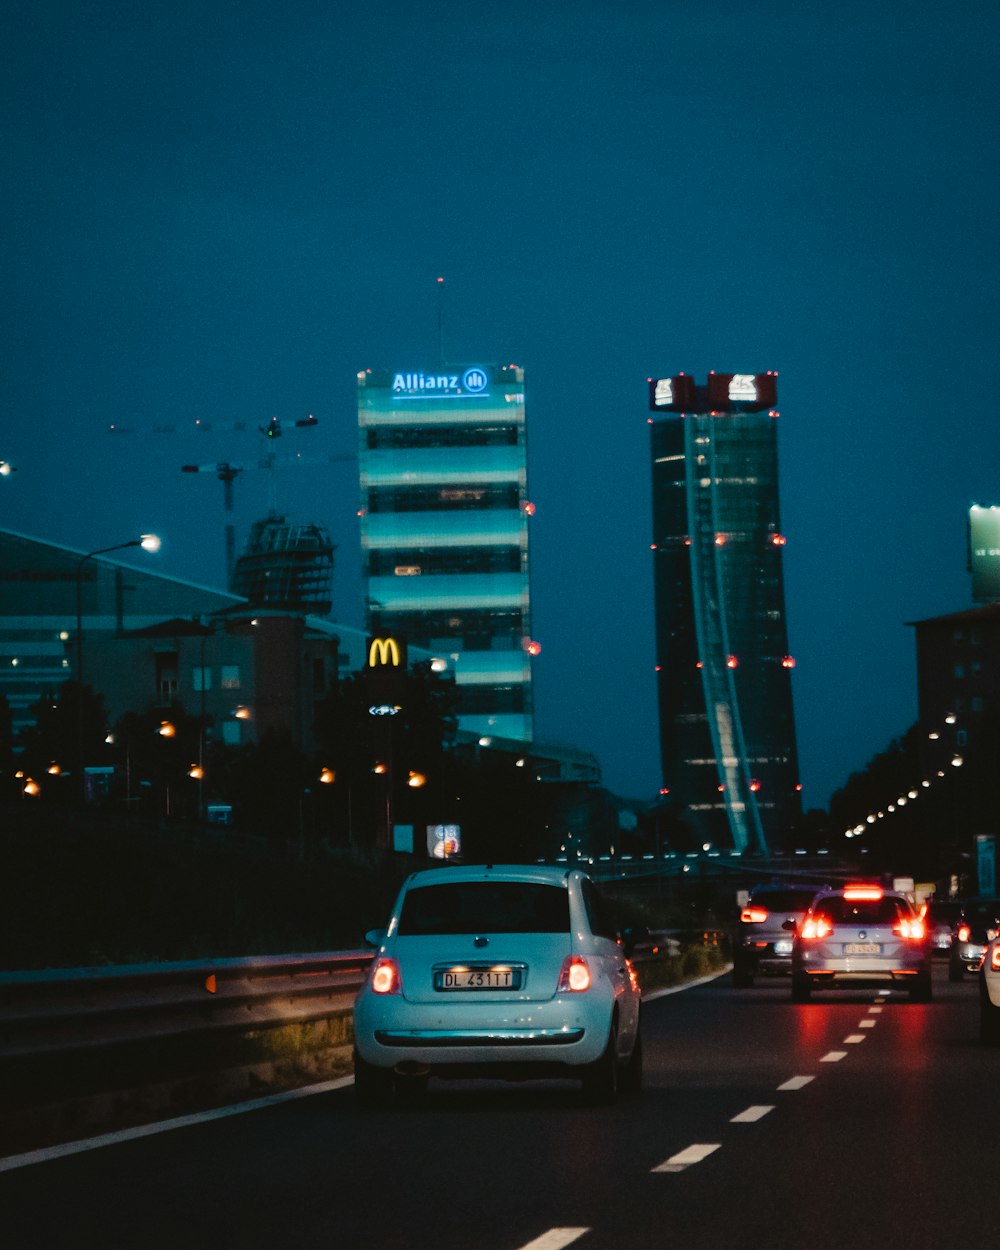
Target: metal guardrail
column 62, row 1010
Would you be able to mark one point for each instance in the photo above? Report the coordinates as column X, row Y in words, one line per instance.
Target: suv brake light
column 386, row 978
column 815, row 927
column 912, row 928
column 867, row 892
column 574, row 976
column 995, row 958
column 964, row 933
column 753, row 915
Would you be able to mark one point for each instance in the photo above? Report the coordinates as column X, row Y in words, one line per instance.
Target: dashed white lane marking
column 684, row 1158
column 852, row 1039
column 751, row 1115
column 796, row 1082
column 555, row 1239
column 867, row 1024
column 874, row 1011
column 834, row 1056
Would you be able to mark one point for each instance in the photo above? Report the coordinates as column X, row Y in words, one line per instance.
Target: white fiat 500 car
column 501, row 972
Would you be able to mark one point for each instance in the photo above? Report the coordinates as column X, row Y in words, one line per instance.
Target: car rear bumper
column 389, row 1032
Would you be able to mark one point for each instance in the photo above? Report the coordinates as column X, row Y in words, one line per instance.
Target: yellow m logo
column 383, row 651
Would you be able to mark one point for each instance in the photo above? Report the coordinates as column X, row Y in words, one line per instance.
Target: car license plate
column 496, row 978
column 784, row 947
column 862, row 948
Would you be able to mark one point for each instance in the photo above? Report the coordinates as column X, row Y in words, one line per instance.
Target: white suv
column 498, row 972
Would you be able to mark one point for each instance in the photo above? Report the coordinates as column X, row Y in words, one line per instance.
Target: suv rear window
column 862, row 911
column 485, row 907
column 787, row 901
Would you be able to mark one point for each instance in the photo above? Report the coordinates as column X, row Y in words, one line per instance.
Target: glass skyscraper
column 727, row 732
column 444, row 530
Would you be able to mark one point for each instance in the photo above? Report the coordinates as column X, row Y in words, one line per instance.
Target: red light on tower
column 754, row 785
column 778, row 540
column 720, row 540
column 732, row 661
column 788, row 662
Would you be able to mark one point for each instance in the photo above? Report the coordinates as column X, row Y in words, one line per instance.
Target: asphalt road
column 844, row 1123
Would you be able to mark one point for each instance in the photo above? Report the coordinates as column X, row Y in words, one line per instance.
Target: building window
column 231, row 733
column 201, row 678
column 230, row 677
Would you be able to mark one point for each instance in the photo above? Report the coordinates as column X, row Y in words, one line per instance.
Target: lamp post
column 148, row 542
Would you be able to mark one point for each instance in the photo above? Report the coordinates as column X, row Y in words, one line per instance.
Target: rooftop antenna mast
column 440, row 313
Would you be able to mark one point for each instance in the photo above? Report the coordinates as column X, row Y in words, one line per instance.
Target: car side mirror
column 790, row 925
column 375, row 937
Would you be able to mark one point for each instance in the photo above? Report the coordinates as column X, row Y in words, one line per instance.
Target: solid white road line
column 684, row 1158
column 688, row 985
column 164, row 1126
column 834, row 1056
column 556, row 1238
column 797, row 1082
column 751, row 1115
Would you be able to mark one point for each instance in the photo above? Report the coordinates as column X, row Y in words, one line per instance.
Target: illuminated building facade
column 444, row 530
column 727, row 732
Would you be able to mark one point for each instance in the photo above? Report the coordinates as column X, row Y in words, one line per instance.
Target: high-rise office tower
column 444, row 530
column 727, row 732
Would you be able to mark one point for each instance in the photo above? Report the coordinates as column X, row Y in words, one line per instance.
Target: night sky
column 222, row 211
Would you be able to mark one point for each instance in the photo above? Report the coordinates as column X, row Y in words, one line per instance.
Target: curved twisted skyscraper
column 727, row 731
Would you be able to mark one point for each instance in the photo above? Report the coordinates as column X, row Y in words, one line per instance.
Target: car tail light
column 753, row 915
column 912, row 928
column 386, row 977
column 815, row 927
column 995, row 958
column 574, row 976
column 964, row 933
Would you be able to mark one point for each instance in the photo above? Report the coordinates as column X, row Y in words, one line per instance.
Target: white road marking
column 164, row 1126
column 852, row 1039
column 751, row 1115
column 684, row 1159
column 834, row 1056
column 688, row 985
column 797, row 1082
column 874, row 1011
column 556, row 1238
column 867, row 1024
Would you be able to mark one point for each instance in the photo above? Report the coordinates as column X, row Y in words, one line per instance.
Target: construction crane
column 227, row 472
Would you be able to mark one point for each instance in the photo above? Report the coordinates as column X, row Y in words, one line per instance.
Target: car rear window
column 783, row 900
column 484, row 907
column 862, row 911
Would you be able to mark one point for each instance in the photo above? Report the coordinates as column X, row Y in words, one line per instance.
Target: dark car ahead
column 761, row 945
column 978, row 924
column 941, row 917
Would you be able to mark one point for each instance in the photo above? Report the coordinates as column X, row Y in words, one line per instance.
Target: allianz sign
column 473, row 381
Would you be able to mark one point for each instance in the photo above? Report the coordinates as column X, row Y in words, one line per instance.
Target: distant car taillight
column 386, row 977
column 912, row 928
column 574, row 976
column 995, row 958
column 815, row 927
column 753, row 915
column 964, row 933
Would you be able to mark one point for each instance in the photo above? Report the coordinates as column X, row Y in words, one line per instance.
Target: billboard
column 984, row 552
column 676, row 394
column 742, row 392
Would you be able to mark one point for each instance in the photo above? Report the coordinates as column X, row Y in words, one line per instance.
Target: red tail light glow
column 964, row 933
column 814, row 928
column 575, row 975
column 912, row 928
column 995, row 958
column 753, row 915
column 863, row 892
column 386, row 978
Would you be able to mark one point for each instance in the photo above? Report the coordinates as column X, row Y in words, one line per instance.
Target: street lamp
column 148, row 542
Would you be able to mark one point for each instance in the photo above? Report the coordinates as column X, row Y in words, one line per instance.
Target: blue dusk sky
column 223, row 211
